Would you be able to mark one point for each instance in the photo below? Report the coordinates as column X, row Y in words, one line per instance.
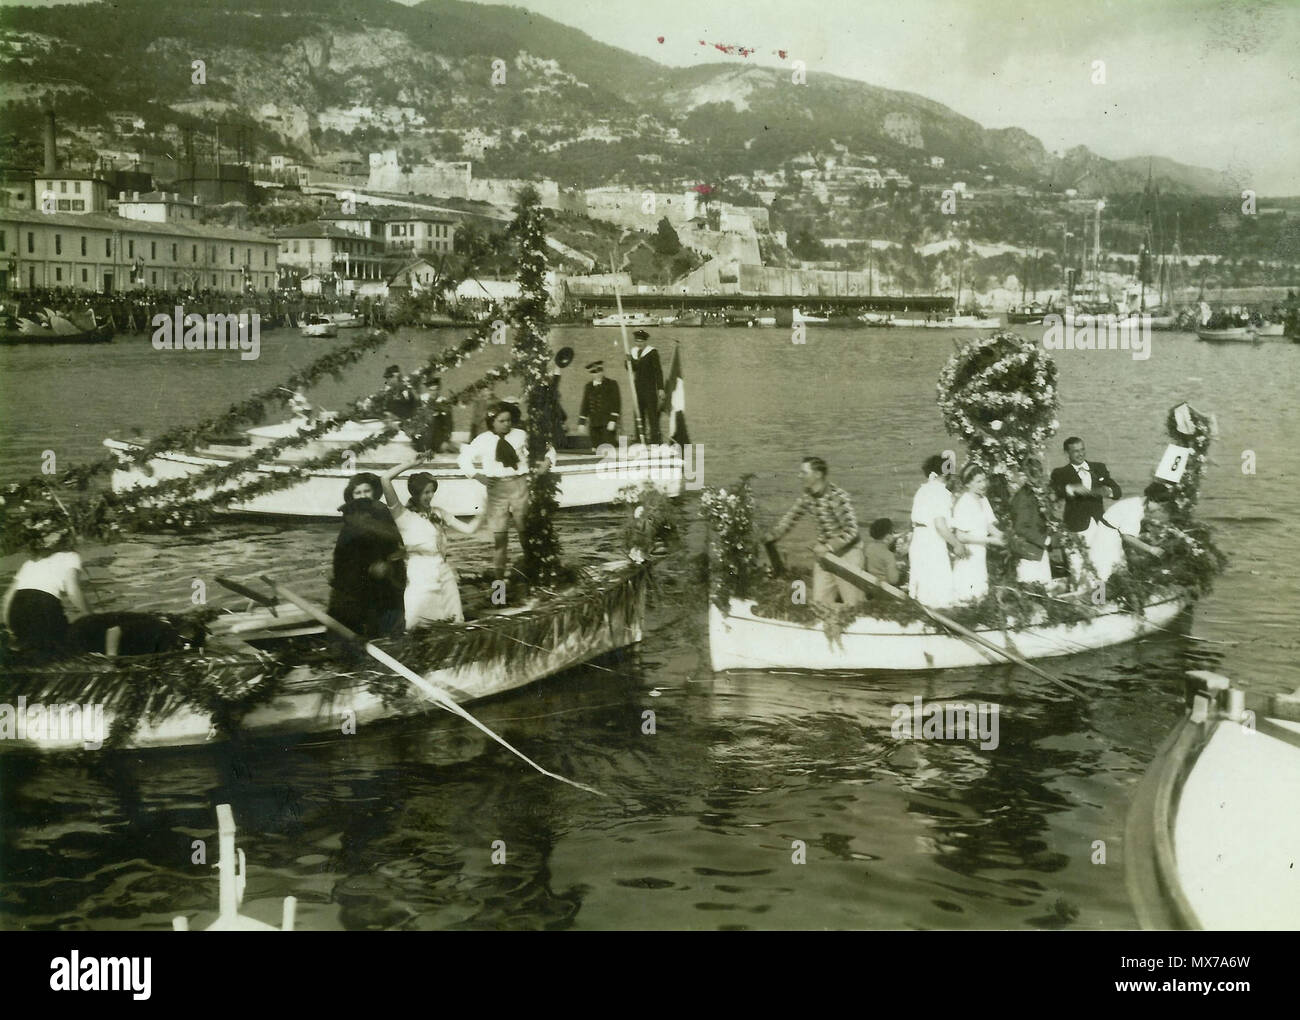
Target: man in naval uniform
column 648, row 374
column 601, row 406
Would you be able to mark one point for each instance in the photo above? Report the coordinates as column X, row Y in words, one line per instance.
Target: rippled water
column 394, row 827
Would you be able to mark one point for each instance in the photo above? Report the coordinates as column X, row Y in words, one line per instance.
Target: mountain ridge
column 284, row 70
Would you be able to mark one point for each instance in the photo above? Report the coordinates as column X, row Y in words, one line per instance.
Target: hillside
column 323, row 75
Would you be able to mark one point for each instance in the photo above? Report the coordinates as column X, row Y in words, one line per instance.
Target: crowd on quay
column 132, row 311
column 943, row 556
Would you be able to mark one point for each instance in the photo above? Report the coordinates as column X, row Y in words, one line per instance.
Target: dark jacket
column 600, row 405
column 1028, row 536
column 369, row 582
column 1081, row 510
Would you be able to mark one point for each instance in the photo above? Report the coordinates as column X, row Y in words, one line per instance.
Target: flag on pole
column 675, row 389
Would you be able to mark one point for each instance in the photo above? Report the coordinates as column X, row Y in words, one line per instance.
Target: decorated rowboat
column 998, row 394
column 289, row 680
column 591, row 478
column 1212, row 835
column 741, row 639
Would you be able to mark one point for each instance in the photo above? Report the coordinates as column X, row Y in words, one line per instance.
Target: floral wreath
column 998, row 395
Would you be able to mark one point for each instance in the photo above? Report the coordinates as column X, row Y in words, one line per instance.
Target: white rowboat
column 586, row 479
column 738, row 639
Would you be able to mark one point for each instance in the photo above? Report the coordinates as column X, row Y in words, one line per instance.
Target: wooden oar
column 433, row 693
column 255, row 597
column 866, row 581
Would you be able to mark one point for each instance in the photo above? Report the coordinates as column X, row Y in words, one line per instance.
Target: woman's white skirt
column 930, row 572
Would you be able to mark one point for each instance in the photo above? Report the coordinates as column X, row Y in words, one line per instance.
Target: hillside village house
column 105, row 253
column 72, row 192
column 419, row 233
column 158, row 207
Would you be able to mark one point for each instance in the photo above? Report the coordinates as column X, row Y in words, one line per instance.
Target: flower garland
column 651, row 523
column 34, row 511
column 732, row 551
column 248, row 412
column 998, row 395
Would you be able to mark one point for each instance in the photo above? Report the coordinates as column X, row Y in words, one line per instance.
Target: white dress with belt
column 930, row 571
column 973, row 515
column 431, row 592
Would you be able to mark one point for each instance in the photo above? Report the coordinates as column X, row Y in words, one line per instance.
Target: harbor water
column 759, row 800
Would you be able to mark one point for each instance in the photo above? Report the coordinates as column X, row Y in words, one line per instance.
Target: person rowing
column 837, row 531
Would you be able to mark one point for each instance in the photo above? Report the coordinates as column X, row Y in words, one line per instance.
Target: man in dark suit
column 648, row 374
column 601, row 406
column 1081, row 484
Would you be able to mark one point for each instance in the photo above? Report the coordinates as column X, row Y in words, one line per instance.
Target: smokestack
column 51, row 152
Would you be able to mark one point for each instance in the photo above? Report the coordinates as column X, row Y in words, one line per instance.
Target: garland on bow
column 248, row 412
column 34, row 514
column 541, row 545
column 732, row 552
column 652, row 522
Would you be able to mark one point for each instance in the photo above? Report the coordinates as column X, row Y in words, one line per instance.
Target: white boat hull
column 585, row 479
column 741, row 640
column 319, row 331
column 1212, row 833
column 1241, row 333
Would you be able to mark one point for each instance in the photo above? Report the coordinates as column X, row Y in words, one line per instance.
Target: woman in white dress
column 929, row 569
column 976, row 526
column 431, row 594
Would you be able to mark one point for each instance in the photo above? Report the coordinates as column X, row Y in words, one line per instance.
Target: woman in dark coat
column 366, row 591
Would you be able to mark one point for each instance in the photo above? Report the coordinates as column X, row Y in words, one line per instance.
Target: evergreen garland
column 541, row 545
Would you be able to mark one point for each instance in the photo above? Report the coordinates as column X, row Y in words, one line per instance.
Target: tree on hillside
column 666, row 241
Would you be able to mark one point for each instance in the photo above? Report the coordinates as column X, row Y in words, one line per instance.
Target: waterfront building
column 323, row 249
column 105, row 253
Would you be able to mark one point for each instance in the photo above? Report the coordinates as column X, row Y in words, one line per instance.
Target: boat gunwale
column 850, row 630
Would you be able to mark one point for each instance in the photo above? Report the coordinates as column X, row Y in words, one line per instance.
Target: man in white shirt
column 498, row 459
column 1081, row 485
column 1122, row 524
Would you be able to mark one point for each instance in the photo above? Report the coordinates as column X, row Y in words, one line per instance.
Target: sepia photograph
column 604, row 466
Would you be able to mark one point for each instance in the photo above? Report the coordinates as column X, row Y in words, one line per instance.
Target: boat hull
column 1238, row 333
column 585, row 479
column 98, row 335
column 741, row 640
column 316, row 700
column 1211, row 836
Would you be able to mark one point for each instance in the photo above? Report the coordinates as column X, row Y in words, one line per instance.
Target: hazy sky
column 1207, row 82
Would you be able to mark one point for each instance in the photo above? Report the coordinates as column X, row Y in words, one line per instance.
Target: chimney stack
column 51, row 152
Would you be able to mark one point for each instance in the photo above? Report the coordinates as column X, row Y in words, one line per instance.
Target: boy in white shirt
column 498, row 458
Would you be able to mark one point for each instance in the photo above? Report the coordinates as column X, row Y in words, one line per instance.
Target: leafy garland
column 227, row 687
column 541, row 545
column 248, row 412
column 35, row 513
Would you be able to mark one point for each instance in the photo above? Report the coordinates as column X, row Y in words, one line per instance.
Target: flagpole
column 627, row 353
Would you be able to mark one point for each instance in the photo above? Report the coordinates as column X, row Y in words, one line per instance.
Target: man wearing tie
column 1081, row 484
